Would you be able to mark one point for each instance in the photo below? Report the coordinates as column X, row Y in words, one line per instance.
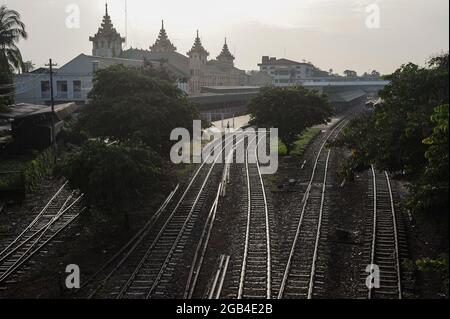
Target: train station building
column 73, row 81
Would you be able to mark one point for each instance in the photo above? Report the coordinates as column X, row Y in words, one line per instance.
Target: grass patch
column 25, row 172
column 282, row 149
column 299, row 145
column 11, row 170
column 15, row 164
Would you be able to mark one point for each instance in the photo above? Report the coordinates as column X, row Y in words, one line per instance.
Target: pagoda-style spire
column 163, row 43
column 225, row 55
column 198, row 48
column 107, row 28
column 107, row 41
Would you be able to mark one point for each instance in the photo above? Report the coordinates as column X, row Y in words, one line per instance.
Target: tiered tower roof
column 163, row 43
column 198, row 48
column 107, row 29
column 225, row 55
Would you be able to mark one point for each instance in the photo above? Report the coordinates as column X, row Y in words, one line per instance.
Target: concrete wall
column 28, row 88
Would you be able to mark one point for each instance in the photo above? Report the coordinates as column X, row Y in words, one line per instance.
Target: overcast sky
column 329, row 33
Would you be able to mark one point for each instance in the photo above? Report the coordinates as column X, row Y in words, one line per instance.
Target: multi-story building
column 73, row 81
column 286, row 72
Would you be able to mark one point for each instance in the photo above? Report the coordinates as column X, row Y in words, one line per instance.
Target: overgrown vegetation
column 37, row 168
column 408, row 135
column 290, row 109
column 115, row 178
column 122, row 140
column 300, row 144
column 25, row 172
column 438, row 266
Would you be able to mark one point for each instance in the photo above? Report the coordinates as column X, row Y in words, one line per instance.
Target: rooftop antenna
column 126, row 24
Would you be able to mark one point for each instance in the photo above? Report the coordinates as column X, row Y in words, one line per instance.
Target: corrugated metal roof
column 22, row 110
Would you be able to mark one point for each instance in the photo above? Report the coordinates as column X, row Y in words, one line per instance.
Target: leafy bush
column 438, row 265
column 38, row 167
column 115, row 178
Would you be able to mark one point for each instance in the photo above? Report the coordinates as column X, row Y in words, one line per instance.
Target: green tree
column 115, row 178
column 407, row 134
column 127, row 103
column 430, row 192
column 392, row 136
column 12, row 29
column 290, row 109
column 350, row 73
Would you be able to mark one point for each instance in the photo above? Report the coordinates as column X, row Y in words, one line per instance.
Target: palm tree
column 11, row 31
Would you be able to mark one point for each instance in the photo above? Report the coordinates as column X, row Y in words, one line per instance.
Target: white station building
column 73, row 81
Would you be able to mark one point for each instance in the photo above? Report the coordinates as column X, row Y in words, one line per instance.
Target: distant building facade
column 195, row 70
column 286, row 72
column 73, row 81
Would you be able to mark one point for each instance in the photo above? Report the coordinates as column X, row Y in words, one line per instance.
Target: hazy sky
column 329, row 33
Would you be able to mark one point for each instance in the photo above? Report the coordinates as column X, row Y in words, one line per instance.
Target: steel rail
column 136, row 239
column 222, row 277
column 375, row 228
column 191, row 282
column 397, row 250
column 339, row 126
column 43, row 228
column 172, row 214
column 148, row 250
column 33, row 222
column 174, row 245
column 319, row 225
column 318, row 232
column 216, row 277
column 247, row 233
column 16, row 264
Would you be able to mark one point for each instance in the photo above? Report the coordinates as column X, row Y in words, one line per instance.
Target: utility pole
column 52, row 101
column 126, row 24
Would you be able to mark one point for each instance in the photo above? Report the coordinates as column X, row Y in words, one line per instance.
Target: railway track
column 247, row 273
column 384, row 244
column 255, row 278
column 152, row 268
column 59, row 212
column 202, row 246
column 302, row 270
